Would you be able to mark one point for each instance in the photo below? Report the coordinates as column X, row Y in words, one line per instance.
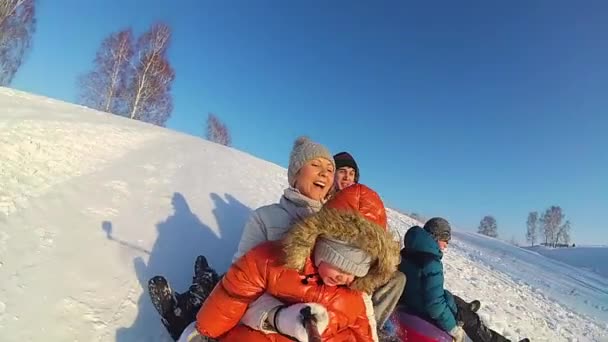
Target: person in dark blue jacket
column 424, row 294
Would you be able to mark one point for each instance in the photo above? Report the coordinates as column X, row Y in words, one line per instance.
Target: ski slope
column 92, row 205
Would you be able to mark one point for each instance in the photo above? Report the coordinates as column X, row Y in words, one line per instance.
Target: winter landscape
column 92, row 205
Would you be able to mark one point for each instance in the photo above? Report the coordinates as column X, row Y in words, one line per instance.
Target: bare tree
column 148, row 96
column 217, row 131
column 551, row 221
column 488, row 226
column 532, row 225
column 104, row 87
column 563, row 233
column 17, row 25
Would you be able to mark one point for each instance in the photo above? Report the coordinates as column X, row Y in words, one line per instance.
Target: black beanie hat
column 439, row 228
column 345, row 159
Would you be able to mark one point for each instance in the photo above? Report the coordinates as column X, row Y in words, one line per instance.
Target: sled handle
column 310, row 323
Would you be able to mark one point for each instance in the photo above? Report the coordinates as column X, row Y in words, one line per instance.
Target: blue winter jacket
column 424, row 295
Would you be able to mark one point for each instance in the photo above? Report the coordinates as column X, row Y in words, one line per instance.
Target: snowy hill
column 543, row 292
column 591, row 258
column 92, row 205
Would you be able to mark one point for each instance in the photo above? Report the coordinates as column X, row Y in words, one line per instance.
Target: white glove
column 458, row 334
column 256, row 316
column 289, row 321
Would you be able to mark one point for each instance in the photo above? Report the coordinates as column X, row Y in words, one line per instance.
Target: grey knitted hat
column 439, row 228
column 348, row 258
column 304, row 150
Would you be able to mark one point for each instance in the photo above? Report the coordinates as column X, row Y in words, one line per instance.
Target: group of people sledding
column 325, row 249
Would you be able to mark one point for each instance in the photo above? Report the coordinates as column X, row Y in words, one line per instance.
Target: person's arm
column 365, row 328
column 449, row 297
column 254, row 233
column 435, row 302
column 244, row 282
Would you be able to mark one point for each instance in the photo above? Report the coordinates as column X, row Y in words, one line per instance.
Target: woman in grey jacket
column 310, row 176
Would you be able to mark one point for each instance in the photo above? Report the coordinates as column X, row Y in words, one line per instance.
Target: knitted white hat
column 304, row 150
column 347, row 258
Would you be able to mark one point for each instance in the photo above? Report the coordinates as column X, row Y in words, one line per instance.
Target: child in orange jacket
column 330, row 262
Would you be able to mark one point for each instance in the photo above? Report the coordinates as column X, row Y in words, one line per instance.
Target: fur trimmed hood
column 350, row 226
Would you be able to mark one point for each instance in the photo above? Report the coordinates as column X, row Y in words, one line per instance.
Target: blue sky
column 459, row 109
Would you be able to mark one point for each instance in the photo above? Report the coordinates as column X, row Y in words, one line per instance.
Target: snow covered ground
column 592, row 258
column 93, row 205
column 526, row 293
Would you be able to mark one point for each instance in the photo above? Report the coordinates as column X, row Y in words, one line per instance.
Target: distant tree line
column 551, row 226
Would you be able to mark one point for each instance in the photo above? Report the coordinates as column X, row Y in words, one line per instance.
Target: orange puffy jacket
column 284, row 269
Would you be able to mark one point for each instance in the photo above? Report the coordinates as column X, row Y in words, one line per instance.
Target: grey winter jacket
column 270, row 223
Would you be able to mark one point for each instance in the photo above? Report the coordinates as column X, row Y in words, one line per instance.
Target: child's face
column 333, row 276
column 443, row 245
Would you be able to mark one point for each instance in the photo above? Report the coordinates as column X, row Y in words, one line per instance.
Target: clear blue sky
column 459, row 109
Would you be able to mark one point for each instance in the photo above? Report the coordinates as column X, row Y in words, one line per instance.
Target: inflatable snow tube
column 412, row 328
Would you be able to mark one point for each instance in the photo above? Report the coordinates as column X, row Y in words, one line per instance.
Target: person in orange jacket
column 330, row 262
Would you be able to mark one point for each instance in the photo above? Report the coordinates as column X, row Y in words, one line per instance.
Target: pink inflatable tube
column 412, row 328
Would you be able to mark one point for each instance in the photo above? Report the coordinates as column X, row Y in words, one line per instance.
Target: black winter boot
column 200, row 266
column 204, row 281
column 178, row 310
column 189, row 303
column 166, row 303
column 161, row 295
column 475, row 305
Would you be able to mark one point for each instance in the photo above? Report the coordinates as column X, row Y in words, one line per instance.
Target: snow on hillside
column 592, row 258
column 545, row 295
column 93, row 205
